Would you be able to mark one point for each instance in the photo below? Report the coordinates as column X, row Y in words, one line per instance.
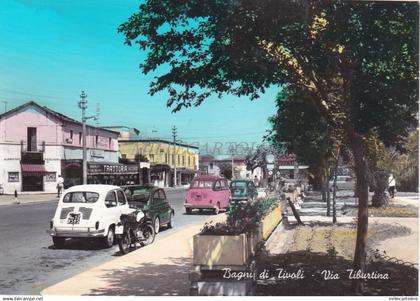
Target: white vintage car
column 88, row 211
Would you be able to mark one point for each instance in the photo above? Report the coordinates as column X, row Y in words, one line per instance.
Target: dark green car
column 153, row 202
column 243, row 190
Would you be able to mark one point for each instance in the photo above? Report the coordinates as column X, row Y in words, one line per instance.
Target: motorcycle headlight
column 139, row 216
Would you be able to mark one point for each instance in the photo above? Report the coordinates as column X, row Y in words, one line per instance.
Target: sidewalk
column 405, row 248
column 9, row 199
column 161, row 269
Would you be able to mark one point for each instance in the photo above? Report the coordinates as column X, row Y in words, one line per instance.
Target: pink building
column 37, row 144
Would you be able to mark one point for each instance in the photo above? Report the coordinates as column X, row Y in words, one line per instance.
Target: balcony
column 32, row 154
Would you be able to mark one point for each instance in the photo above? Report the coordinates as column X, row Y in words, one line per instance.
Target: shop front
column 100, row 173
column 33, row 177
column 112, row 173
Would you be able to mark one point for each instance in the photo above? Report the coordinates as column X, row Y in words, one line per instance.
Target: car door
column 112, row 211
column 165, row 208
column 155, row 205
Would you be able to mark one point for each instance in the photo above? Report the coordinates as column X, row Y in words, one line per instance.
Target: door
column 31, row 142
column 112, row 211
column 166, row 209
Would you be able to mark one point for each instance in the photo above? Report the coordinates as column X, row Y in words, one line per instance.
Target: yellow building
column 163, row 157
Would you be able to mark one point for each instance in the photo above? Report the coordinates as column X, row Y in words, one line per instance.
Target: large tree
column 353, row 58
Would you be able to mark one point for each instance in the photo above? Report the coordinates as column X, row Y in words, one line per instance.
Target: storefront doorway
column 32, row 182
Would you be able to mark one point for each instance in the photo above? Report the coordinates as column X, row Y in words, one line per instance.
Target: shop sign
column 95, row 168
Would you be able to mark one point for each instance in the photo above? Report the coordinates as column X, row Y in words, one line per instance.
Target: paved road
column 29, row 261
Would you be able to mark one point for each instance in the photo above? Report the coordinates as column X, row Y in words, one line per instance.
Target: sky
column 51, row 50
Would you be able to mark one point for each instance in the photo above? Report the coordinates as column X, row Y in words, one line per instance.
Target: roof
column 159, row 141
column 52, row 112
column 207, row 178
column 92, row 188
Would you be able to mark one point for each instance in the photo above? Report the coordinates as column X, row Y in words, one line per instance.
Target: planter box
column 215, row 252
column 270, row 222
column 218, row 251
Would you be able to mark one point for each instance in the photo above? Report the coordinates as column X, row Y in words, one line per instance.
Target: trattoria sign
column 101, row 168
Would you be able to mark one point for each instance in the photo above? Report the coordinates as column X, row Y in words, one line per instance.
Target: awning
column 33, row 168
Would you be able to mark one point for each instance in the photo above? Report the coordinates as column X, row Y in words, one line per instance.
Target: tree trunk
column 335, row 193
column 327, row 187
column 361, row 169
column 380, row 186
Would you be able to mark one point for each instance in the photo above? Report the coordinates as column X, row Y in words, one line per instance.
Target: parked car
column 88, row 211
column 207, row 192
column 343, row 183
column 153, row 202
column 243, row 190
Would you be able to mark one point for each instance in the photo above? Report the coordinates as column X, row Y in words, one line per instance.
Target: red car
column 207, row 192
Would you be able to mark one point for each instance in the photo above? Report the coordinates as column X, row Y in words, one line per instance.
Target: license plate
column 73, row 219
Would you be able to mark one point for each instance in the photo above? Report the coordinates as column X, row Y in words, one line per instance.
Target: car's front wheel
column 59, row 242
column 188, row 210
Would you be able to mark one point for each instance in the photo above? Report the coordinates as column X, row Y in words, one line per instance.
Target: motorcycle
column 134, row 228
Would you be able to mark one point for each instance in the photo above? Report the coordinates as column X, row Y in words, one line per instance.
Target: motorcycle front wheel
column 125, row 243
column 148, row 235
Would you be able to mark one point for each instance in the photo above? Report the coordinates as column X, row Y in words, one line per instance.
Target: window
column 183, row 160
column 111, row 200
column 50, row 177
column 80, row 138
column 162, row 195
column 156, row 197
column 189, row 160
column 80, row 197
column 124, row 156
column 71, row 134
column 96, row 140
column 109, row 142
column 179, row 159
column 201, row 184
column 217, row 186
column 121, row 197
column 13, row 177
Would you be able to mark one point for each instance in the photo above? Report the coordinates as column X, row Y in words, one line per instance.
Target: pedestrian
column 391, row 185
column 60, row 185
column 256, row 182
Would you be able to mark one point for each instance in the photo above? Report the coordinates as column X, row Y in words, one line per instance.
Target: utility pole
column 83, row 107
column 175, row 156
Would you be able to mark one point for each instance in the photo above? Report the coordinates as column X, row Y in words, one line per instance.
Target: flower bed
column 233, row 242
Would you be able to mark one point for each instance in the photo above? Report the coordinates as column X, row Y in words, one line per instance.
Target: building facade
column 37, row 144
column 163, row 156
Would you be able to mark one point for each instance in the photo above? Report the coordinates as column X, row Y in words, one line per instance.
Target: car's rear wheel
column 59, row 242
column 188, row 210
column 157, row 225
column 125, row 243
column 108, row 240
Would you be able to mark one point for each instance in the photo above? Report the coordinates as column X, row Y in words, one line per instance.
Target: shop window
column 13, row 177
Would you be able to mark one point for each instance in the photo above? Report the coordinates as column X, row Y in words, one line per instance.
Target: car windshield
column 81, row 197
column 238, row 184
column 201, row 184
column 139, row 194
